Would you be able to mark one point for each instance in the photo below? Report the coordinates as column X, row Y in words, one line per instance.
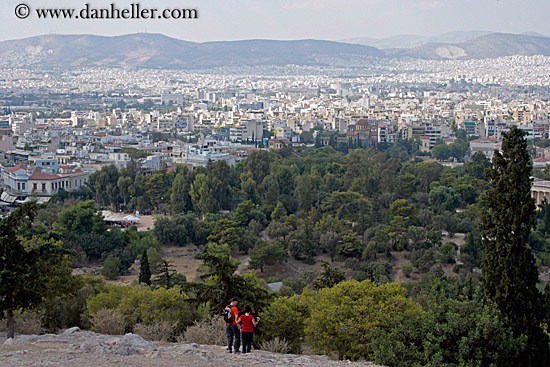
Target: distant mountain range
column 411, row 40
column 159, row 51
column 487, row 46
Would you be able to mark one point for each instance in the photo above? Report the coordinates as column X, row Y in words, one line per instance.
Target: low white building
column 486, row 146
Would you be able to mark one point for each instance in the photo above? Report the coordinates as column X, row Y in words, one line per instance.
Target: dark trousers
column 233, row 330
column 247, row 341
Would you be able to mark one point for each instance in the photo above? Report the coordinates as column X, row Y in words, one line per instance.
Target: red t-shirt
column 248, row 326
column 235, row 312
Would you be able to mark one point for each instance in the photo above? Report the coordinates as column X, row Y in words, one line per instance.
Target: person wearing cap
column 233, row 328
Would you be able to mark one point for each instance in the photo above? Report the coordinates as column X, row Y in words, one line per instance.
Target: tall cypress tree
column 145, row 269
column 510, row 275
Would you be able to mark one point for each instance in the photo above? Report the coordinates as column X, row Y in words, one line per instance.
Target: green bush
column 544, row 258
column 111, row 267
column 343, row 318
column 447, row 253
column 298, row 284
column 448, row 333
column 423, row 259
column 146, row 306
column 69, row 309
column 284, row 319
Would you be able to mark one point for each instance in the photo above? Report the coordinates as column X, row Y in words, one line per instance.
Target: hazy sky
column 292, row 19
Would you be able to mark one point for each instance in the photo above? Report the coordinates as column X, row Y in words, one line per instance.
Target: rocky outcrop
column 79, row 348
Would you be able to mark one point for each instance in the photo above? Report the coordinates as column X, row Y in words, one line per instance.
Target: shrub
column 277, row 345
column 169, row 231
column 448, row 333
column 285, row 291
column 158, row 330
column 343, row 318
column 211, row 331
column 26, row 323
column 109, row 322
column 544, row 258
column 30, row 323
column 111, row 267
column 299, row 283
column 142, row 304
column 284, row 319
column 68, row 310
column 375, row 272
column 407, row 269
column 447, row 253
column 423, row 259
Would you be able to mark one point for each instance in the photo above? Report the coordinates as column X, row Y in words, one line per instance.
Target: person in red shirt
column 233, row 329
column 248, row 321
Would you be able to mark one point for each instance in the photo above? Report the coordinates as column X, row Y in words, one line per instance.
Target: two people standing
column 233, row 328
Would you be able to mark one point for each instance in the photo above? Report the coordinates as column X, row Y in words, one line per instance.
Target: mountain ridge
column 154, row 51
column 492, row 45
column 148, row 50
column 413, row 40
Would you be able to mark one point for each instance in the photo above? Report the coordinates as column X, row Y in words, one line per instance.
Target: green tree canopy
column 267, row 254
column 202, row 194
column 448, row 333
column 220, row 284
column 328, row 278
column 80, row 218
column 179, row 198
column 441, row 152
column 477, row 165
column 25, row 267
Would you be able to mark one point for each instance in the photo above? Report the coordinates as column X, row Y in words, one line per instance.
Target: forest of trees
column 356, row 206
column 361, row 210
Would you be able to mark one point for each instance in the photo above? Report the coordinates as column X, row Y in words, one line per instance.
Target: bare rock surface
column 86, row 349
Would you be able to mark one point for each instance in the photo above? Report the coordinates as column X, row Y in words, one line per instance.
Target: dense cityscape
column 82, row 119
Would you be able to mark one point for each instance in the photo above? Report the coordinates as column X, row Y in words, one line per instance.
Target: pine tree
column 165, row 273
column 266, row 254
column 510, row 275
column 145, row 269
column 279, row 213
